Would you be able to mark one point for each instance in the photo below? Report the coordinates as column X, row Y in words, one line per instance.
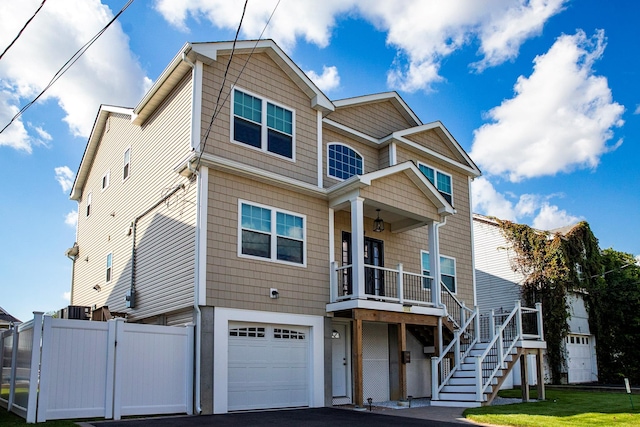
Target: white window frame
column 273, row 234
column 126, row 164
column 88, row 207
column 328, row 160
column 437, row 171
column 455, row 269
column 109, row 268
column 106, row 180
column 264, row 129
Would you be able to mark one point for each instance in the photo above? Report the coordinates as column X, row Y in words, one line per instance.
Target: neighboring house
column 498, row 287
column 303, row 236
column 7, row 320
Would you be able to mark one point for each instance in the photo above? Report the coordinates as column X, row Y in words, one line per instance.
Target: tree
column 613, row 302
column 553, row 264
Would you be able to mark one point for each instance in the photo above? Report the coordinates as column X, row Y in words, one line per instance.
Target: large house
column 499, row 287
column 323, row 248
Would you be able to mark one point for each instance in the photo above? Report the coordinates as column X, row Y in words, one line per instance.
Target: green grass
column 562, row 408
column 9, row 419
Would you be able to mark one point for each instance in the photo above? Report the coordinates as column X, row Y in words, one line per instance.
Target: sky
column 543, row 94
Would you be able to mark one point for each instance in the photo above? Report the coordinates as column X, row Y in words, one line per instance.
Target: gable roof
column 6, row 318
column 92, row 147
column 207, row 53
column 393, row 97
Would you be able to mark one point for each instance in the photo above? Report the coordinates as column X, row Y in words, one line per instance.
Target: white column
column 434, row 261
column 357, row 246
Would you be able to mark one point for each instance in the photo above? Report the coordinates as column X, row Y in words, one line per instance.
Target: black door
column 374, row 256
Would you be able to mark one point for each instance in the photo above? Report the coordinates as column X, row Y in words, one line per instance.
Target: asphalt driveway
column 287, row 418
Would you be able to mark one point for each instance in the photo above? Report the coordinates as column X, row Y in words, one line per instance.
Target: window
column 271, row 233
column 126, row 168
column 441, row 180
column 109, row 265
column 287, row 334
column 447, row 271
column 250, row 332
column 262, row 124
column 105, row 180
column 344, row 162
column 89, row 204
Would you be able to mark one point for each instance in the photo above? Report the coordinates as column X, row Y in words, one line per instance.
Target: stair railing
column 456, row 311
column 492, row 360
column 455, row 352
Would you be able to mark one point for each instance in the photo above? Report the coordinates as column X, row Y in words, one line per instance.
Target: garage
column 579, row 358
column 268, row 366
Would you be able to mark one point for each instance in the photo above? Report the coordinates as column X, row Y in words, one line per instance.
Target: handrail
column 497, row 338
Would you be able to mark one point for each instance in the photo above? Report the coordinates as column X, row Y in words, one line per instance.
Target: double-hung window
column 271, row 234
column 126, row 166
column 262, row 124
column 109, row 266
column 105, row 180
column 441, row 180
column 447, row 271
column 89, row 204
column 343, row 161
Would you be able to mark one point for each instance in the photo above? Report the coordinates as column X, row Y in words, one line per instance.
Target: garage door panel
column 268, row 367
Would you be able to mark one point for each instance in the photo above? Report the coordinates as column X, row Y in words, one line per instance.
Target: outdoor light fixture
column 97, row 288
column 378, row 223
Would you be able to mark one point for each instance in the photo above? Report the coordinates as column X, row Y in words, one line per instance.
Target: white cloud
column 64, row 176
column 328, row 80
column 71, row 219
column 107, row 73
column 66, row 296
column 532, row 209
column 637, row 110
column 560, row 118
column 423, row 32
column 550, row 217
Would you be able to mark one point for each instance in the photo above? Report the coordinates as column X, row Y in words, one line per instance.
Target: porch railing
column 383, row 284
column 457, row 311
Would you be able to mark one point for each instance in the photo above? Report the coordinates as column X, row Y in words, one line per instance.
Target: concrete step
column 455, row 404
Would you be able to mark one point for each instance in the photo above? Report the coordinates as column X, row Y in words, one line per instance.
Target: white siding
column 498, row 286
column 165, row 236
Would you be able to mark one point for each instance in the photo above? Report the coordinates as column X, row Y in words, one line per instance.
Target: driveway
column 288, row 418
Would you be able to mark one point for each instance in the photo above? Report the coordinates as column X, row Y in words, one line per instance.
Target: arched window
column 344, row 162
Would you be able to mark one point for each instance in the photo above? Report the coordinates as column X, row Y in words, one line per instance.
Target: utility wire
column 25, row 26
column 68, row 64
column 219, row 106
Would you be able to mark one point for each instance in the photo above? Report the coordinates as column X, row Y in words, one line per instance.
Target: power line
column 25, row 26
column 68, row 64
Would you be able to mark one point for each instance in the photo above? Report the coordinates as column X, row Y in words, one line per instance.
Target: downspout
column 132, row 289
column 196, row 276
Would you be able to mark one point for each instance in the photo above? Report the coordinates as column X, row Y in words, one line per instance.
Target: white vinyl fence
column 94, row 369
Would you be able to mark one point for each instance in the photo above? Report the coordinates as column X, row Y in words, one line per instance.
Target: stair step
column 455, row 404
column 459, row 389
column 460, row 397
column 462, row 380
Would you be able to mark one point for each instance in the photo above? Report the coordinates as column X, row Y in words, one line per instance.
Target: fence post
column 435, row 379
column 518, row 320
column 539, row 318
column 34, row 367
column 333, row 281
column 14, row 362
column 116, row 333
column 479, row 379
column 400, row 284
column 492, row 324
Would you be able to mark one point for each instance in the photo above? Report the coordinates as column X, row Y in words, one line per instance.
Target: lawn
column 9, row 419
column 562, row 408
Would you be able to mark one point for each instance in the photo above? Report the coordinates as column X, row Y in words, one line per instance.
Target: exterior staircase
column 483, row 351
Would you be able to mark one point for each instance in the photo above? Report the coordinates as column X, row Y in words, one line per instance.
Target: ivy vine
column 553, row 264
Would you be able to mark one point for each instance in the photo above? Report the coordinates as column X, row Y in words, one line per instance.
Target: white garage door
column 268, row 366
column 579, row 355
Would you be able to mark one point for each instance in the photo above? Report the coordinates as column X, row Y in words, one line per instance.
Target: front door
column 373, row 256
column 339, row 360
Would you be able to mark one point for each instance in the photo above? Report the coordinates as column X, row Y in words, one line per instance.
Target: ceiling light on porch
column 378, row 223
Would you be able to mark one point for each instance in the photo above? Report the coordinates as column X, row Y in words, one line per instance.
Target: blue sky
column 542, row 93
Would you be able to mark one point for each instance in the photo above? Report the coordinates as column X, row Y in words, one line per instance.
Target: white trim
column 201, row 234
column 393, row 154
column 329, row 144
column 319, row 150
column 332, row 238
column 273, row 233
column 264, row 128
column 222, row 317
column 362, row 137
column 196, row 105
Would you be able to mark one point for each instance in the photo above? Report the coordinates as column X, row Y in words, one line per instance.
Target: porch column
column 358, row 391
column 524, row 376
column 434, row 261
column 540, row 375
column 402, row 367
column 357, row 246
